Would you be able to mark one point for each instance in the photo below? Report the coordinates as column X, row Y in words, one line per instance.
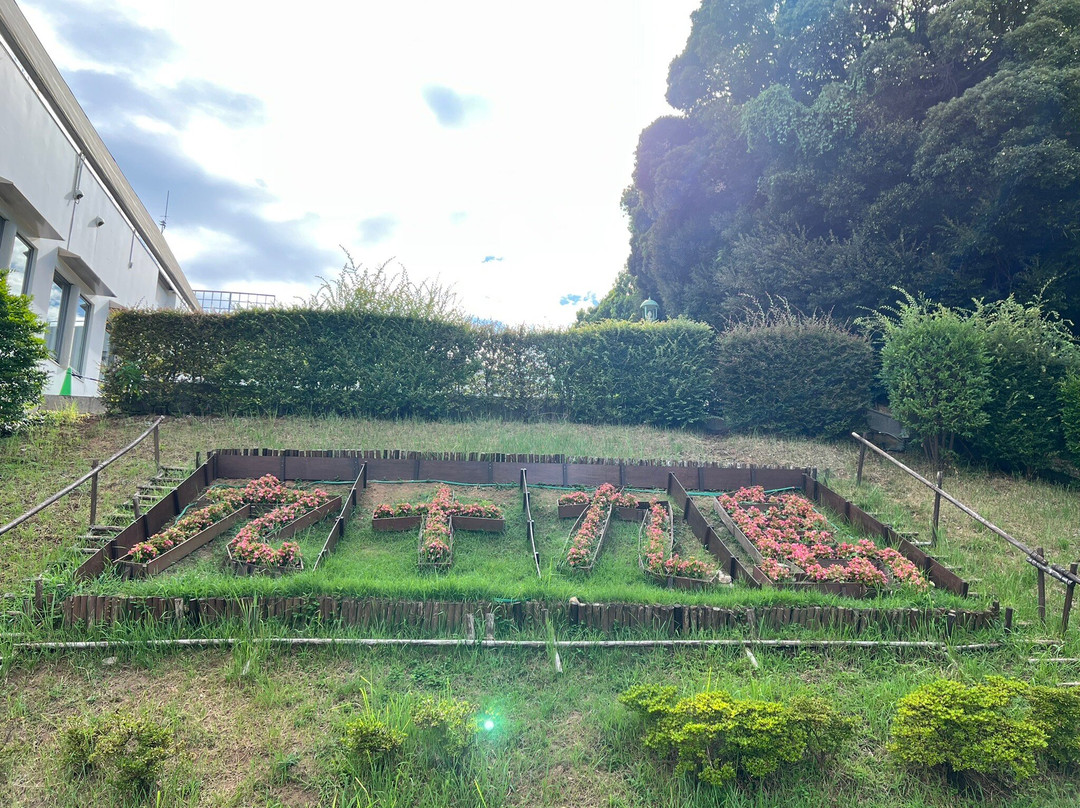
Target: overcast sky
column 483, row 143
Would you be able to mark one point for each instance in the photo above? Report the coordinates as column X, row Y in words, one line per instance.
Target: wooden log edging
column 441, row 617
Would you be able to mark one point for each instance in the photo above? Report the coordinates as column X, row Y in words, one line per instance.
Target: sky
column 484, row 145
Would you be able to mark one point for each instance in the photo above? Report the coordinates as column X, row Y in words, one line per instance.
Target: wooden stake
column 937, row 509
column 862, row 460
column 1068, row 600
column 1042, row 588
column 94, row 493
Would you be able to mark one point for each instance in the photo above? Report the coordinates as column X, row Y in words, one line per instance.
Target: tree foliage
column 827, row 151
column 21, row 349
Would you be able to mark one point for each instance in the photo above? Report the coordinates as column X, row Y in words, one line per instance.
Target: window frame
column 80, row 338
column 28, row 267
column 56, row 350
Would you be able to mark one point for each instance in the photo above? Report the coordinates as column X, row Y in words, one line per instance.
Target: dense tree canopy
column 829, row 150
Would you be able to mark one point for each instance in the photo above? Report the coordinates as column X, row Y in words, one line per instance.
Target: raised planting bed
column 586, row 538
column 658, row 559
column 482, row 523
column 436, row 548
column 395, row 523
column 467, row 516
column 129, row 568
column 573, row 504
column 625, row 506
column 250, row 553
column 791, row 543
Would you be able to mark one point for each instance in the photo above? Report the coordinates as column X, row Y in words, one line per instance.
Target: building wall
column 98, row 250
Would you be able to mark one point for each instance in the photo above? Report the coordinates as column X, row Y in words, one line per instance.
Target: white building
column 76, row 237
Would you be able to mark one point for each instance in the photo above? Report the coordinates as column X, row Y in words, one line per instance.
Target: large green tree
column 827, row 151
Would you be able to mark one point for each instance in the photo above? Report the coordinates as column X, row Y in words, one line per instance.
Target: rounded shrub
column 792, row 374
column 128, row 749
column 720, row 738
column 997, row 729
column 936, row 371
column 372, row 741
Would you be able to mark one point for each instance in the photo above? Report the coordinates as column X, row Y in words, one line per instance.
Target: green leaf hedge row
column 353, row 363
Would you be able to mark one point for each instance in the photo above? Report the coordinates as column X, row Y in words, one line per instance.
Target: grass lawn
column 257, row 726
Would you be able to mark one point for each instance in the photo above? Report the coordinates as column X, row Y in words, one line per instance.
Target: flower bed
column 626, row 506
column 795, row 545
column 250, row 553
column 142, row 564
column 436, row 549
column 193, row 530
column 587, row 536
column 406, row 516
column 657, row 556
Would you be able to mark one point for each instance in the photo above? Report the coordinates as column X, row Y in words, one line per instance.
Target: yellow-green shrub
column 720, row 738
column 997, row 728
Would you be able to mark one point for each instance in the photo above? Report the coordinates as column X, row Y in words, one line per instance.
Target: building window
column 58, row 298
column 22, row 258
column 78, row 345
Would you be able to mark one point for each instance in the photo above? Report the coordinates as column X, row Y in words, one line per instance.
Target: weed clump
column 720, row 738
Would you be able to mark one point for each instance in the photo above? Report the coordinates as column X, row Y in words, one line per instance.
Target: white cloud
column 345, row 135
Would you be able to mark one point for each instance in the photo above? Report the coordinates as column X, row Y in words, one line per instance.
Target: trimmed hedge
column 295, row 360
column 791, row 374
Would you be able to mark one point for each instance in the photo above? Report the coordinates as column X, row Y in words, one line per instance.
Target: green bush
column 21, row 348
column 657, row 373
column 1070, row 413
column 793, row 374
column 372, row 741
column 1030, row 353
column 720, row 738
column 128, row 749
column 361, row 363
column 996, row 729
column 445, row 728
column 935, row 368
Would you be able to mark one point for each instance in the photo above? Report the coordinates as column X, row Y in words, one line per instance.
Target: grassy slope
column 267, row 737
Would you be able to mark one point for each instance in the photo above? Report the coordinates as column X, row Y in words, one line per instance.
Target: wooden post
column 94, row 493
column 1068, row 600
column 135, row 506
column 1042, row 589
column 862, row 460
column 937, row 510
column 157, row 446
column 198, row 459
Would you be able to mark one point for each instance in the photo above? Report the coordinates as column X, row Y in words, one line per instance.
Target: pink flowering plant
column 575, row 498
column 788, row 531
column 248, row 544
column 487, row 510
column 181, row 530
column 436, row 546
column 658, row 557
column 585, row 541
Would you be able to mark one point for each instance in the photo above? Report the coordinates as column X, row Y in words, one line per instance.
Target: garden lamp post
column 649, row 310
